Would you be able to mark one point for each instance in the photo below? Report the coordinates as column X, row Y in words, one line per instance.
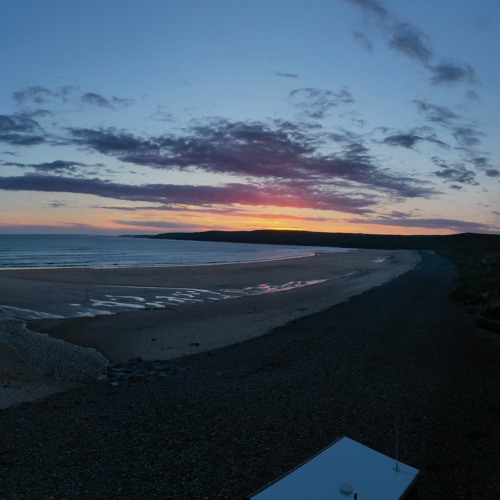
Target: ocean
column 42, row 251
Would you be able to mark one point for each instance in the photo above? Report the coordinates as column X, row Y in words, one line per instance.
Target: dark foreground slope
column 224, row 424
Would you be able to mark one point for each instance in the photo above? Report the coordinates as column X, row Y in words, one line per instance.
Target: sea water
column 36, row 250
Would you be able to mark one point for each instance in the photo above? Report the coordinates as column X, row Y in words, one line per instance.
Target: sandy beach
column 191, row 325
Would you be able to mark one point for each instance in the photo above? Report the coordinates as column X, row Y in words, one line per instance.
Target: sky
column 365, row 116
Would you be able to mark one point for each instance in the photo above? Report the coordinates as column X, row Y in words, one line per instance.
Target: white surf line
column 268, row 288
column 18, row 312
column 177, row 296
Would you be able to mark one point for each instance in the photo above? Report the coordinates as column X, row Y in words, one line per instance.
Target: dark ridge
column 486, row 242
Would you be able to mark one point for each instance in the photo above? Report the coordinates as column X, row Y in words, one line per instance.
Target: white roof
column 344, row 468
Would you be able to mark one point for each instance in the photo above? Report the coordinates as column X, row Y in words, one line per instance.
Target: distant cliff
column 344, row 240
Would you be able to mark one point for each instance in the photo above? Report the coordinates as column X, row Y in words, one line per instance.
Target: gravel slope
column 222, row 425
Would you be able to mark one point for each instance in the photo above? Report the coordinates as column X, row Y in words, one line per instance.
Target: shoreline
column 28, row 287
column 187, row 329
column 312, row 253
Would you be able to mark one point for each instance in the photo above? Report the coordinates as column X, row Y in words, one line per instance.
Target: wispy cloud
column 435, row 113
column 39, row 95
column 467, row 136
column 161, row 115
column 455, row 173
column 362, row 40
column 316, row 103
column 411, row 42
column 58, row 204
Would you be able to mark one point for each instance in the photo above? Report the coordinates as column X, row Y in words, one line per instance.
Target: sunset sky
column 375, row 116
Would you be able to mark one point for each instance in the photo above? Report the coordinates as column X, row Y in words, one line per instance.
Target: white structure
column 345, row 469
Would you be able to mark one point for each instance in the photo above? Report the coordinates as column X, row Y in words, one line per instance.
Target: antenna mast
column 397, row 469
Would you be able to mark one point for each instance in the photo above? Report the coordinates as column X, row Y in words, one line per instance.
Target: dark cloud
column 287, row 75
column 452, row 73
column 285, row 152
column 467, row 136
column 277, row 195
column 403, row 140
column 274, row 153
column 461, row 175
column 67, row 94
column 456, row 173
column 20, row 130
column 435, row 113
column 58, row 166
column 363, row 40
column 54, row 167
column 111, row 142
column 37, row 94
column 316, row 103
column 411, row 42
column 480, row 162
column 95, row 100
column 410, row 139
column 493, row 172
column 483, row 163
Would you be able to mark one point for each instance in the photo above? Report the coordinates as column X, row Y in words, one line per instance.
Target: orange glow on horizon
column 196, row 219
